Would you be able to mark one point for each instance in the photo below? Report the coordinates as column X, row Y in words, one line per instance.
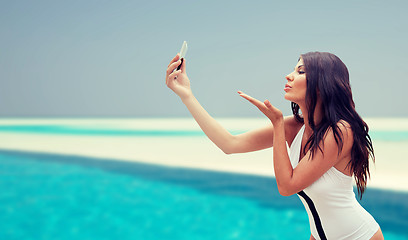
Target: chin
column 293, row 99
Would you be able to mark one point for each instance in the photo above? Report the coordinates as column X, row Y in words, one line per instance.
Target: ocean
column 163, row 179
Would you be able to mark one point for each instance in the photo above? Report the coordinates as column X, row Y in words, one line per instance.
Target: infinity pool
column 48, row 196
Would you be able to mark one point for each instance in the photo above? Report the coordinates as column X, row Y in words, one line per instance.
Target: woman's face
column 295, row 88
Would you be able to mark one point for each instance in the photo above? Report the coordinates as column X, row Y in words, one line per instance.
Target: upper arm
column 262, row 138
column 310, row 169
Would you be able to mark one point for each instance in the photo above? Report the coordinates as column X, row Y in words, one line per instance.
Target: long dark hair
column 327, row 77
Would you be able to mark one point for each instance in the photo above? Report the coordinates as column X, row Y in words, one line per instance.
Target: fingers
column 173, row 66
column 247, row 97
column 255, row 101
column 265, row 107
column 252, row 100
column 172, row 77
column 268, row 104
column 174, row 59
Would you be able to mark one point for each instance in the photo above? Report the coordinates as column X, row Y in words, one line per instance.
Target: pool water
column 67, row 197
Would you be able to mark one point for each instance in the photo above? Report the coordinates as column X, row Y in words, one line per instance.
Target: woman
column 329, row 143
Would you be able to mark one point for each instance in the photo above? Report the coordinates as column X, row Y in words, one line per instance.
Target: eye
column 301, row 72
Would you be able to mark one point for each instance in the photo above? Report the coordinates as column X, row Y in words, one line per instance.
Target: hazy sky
column 108, row 58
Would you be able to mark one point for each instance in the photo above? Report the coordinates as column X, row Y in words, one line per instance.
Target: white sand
column 191, row 152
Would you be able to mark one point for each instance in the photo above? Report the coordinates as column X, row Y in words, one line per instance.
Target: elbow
column 285, row 190
column 225, row 148
column 229, row 148
column 227, row 151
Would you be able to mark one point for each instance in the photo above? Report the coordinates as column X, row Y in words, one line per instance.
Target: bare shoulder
column 345, row 133
column 345, row 130
column 292, row 127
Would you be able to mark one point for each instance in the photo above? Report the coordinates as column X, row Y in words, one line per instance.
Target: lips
column 287, row 87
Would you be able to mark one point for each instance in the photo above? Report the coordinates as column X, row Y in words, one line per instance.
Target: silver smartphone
column 183, row 52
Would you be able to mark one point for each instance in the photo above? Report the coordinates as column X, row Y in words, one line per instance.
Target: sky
column 108, row 58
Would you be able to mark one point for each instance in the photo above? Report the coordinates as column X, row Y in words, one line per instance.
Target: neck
column 317, row 116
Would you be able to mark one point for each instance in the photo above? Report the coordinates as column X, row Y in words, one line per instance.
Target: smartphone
column 183, row 52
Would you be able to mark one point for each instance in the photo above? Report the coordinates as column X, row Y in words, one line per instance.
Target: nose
column 289, row 77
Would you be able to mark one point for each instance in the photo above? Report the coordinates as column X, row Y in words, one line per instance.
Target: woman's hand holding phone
column 176, row 76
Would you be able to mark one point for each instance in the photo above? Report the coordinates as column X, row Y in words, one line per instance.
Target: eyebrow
column 299, row 67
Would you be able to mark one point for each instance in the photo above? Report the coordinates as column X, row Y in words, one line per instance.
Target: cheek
column 301, row 82
column 304, row 81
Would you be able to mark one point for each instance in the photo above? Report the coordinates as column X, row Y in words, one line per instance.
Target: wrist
column 187, row 97
column 278, row 122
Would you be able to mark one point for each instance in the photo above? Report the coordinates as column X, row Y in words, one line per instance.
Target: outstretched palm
column 265, row 107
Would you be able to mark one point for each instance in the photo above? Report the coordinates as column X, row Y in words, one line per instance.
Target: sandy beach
column 190, row 152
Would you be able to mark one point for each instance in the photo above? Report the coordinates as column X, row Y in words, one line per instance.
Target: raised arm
column 247, row 142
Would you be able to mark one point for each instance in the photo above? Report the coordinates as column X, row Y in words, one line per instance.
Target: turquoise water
column 52, row 200
column 65, row 129
column 47, row 196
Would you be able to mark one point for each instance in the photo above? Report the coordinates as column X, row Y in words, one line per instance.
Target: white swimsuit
column 333, row 210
